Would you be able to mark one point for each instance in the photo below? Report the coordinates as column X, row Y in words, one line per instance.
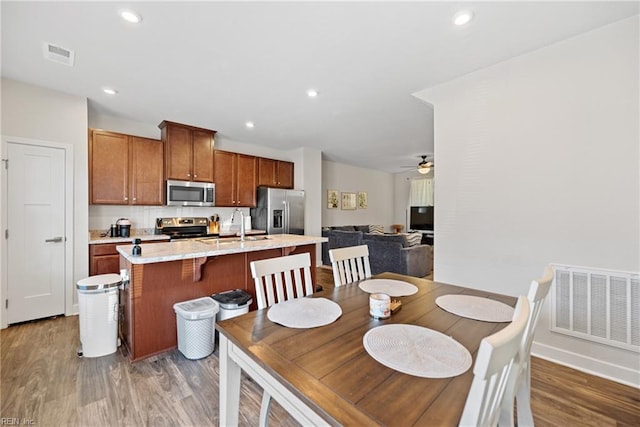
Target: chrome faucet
column 241, row 222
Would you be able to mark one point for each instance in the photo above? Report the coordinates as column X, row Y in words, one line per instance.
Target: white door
column 35, row 223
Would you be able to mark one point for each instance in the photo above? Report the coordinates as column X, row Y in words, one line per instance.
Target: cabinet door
column 224, row 172
column 147, row 185
column 202, row 156
column 285, row 174
column 108, row 168
column 266, row 172
column 246, row 181
column 178, row 152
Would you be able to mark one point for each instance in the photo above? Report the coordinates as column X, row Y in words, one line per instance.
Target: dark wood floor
column 43, row 380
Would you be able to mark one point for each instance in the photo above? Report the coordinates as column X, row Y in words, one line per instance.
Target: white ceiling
column 219, row 64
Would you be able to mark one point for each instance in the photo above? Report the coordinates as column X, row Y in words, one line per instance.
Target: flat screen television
column 421, row 218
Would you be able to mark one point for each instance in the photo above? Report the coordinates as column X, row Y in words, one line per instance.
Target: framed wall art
column 348, row 201
column 362, row 200
column 332, row 199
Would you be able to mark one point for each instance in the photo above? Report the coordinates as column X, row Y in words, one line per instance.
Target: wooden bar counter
column 169, row 273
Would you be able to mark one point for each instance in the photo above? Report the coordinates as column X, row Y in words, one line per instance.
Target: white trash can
column 196, row 324
column 98, row 314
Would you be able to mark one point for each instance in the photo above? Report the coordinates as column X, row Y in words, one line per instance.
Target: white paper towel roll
column 247, row 222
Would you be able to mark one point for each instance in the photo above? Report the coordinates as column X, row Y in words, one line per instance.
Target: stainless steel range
column 184, row 227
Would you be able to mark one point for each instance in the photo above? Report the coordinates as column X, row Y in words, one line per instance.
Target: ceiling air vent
column 59, row 54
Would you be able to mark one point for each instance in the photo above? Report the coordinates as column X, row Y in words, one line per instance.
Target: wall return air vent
column 59, row 54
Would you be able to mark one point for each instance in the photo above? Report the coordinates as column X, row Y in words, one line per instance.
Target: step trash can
column 196, row 321
column 98, row 314
column 232, row 303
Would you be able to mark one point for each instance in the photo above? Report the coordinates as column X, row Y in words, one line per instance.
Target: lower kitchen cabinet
column 103, row 259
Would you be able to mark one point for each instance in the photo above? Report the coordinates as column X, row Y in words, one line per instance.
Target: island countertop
column 206, row 247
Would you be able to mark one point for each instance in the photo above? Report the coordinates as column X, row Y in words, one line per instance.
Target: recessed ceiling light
column 462, row 17
column 312, row 93
column 130, row 16
column 109, row 91
column 250, row 125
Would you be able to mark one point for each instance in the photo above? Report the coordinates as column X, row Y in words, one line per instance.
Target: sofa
column 396, row 253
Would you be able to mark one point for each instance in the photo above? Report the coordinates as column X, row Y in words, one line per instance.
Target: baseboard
column 586, row 364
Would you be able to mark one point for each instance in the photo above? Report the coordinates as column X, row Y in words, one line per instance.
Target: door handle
column 54, row 240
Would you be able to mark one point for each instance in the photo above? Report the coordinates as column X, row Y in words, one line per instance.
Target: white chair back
column 278, row 280
column 281, row 279
column 496, row 360
column 350, row 264
column 520, row 386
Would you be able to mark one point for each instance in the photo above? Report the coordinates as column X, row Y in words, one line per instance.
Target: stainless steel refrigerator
column 279, row 211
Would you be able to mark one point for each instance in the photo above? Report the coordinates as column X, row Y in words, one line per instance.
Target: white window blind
column 421, row 192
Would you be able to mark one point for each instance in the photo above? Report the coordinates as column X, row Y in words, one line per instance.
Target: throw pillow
column 413, row 239
column 376, row 229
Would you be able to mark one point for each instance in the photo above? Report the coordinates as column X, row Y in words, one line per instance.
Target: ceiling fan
column 424, row 166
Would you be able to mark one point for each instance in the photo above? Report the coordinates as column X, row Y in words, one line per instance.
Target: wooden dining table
column 324, row 375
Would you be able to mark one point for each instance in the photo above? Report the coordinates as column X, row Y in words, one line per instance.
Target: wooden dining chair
column 519, row 388
column 278, row 280
column 496, row 360
column 350, row 264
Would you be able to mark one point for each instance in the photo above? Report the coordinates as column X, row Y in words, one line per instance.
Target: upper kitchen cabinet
column 275, row 173
column 124, row 169
column 188, row 152
column 235, row 178
column 147, row 162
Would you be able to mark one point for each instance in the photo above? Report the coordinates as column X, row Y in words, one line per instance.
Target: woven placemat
column 417, row 351
column 304, row 312
column 477, row 308
column 393, row 288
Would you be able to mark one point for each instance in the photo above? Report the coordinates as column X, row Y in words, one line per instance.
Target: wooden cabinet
column 147, row 182
column 235, row 178
column 124, row 169
column 188, row 152
column 103, row 259
column 275, row 173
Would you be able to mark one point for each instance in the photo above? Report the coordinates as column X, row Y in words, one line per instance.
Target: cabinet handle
column 54, row 240
column 135, row 198
column 126, row 198
column 188, row 174
column 195, row 176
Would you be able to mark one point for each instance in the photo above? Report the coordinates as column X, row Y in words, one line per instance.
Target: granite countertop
column 144, row 234
column 196, row 248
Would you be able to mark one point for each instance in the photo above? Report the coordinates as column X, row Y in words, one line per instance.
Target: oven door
column 188, row 193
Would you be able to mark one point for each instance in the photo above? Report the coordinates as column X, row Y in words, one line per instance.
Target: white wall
column 42, row 114
column 345, row 178
column 538, row 161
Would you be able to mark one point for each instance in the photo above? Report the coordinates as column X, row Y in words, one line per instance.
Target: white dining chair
column 519, row 388
column 496, row 360
column 277, row 280
column 350, row 264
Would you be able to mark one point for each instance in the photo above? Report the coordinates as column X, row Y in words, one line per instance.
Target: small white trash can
column 196, row 321
column 98, row 314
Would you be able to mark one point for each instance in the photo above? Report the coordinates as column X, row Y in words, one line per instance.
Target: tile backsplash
column 102, row 216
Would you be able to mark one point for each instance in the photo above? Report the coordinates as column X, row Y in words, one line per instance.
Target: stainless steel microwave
column 189, row 193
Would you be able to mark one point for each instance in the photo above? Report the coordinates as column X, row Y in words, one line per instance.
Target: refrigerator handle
column 286, row 217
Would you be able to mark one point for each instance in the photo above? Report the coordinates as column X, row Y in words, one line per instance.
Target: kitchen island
column 169, row 273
